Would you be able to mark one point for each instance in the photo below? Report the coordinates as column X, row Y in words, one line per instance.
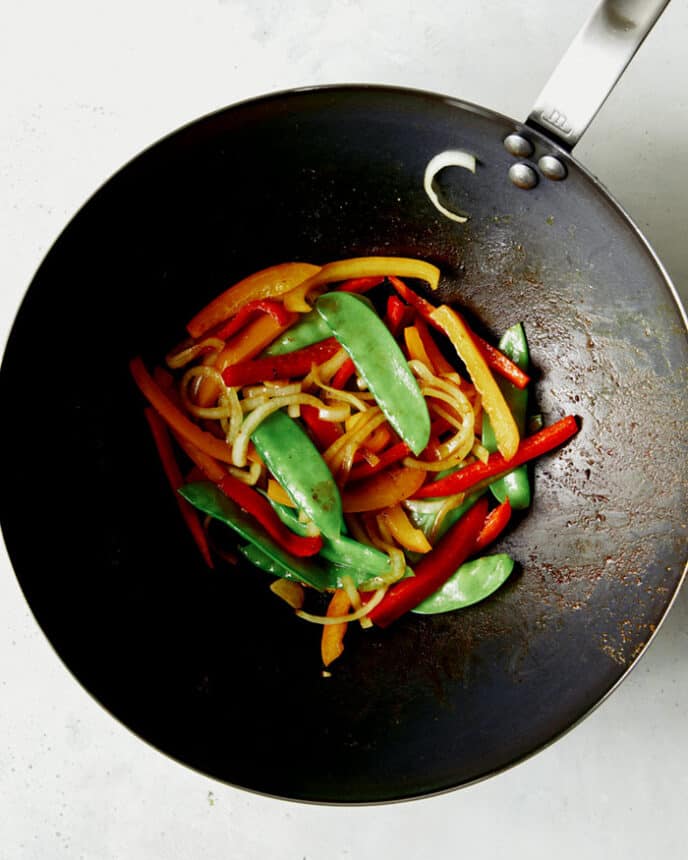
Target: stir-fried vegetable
column 343, row 444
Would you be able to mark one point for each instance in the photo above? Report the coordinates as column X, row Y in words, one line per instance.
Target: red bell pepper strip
column 392, row 455
column 359, row 285
column 344, row 374
column 532, row 446
column 495, row 523
column 324, row 433
column 260, row 508
column 495, row 359
column 287, row 366
column 174, row 476
column 434, row 569
column 398, row 315
column 275, row 309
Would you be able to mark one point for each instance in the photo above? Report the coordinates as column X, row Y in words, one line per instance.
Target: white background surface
column 84, row 86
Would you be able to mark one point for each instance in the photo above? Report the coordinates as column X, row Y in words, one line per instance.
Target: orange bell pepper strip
column 237, row 322
column 495, row 523
column 175, row 418
column 503, row 423
column 332, row 641
column 382, row 490
column 208, row 466
column 360, row 267
column 265, row 284
column 403, row 531
column 248, row 343
column 277, row 493
column 175, row 478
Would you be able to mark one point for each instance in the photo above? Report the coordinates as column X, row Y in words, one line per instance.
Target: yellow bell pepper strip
column 438, row 361
column 332, row 642
column 381, row 364
column 360, row 267
column 265, row 284
column 494, row 404
column 174, row 476
column 382, row 490
column 415, row 348
column 495, row 359
column 297, row 465
column 403, row 531
column 515, row 485
column 539, row 443
column 174, row 417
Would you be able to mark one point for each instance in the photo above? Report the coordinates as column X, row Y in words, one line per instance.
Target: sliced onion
column 186, row 354
column 449, row 158
column 255, row 418
column 345, row 619
column 431, row 506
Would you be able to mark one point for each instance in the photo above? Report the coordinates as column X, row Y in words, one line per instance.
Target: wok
column 208, row 666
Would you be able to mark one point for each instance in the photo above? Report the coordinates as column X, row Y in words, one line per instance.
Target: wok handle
column 591, row 66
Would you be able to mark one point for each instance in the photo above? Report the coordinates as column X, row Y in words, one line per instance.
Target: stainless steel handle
column 591, row 67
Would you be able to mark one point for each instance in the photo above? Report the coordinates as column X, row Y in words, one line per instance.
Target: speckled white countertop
column 85, row 86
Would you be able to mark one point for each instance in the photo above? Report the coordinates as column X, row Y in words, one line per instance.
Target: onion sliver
column 449, row 158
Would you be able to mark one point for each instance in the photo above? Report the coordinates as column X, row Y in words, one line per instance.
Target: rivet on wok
column 523, row 175
column 517, row 145
column 551, row 167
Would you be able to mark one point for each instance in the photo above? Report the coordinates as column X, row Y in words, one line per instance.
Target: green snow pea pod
column 293, row 459
column 206, row 497
column 311, row 328
column 381, row 364
column 473, row 581
column 516, row 484
column 423, row 513
column 361, row 562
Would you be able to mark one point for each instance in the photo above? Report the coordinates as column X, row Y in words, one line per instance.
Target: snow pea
column 296, row 463
column 516, row 484
column 381, row 364
column 310, row 328
column 360, row 561
column 423, row 516
column 473, row 581
column 206, row 497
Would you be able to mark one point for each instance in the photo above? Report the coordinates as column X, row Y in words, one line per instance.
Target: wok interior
column 209, row 666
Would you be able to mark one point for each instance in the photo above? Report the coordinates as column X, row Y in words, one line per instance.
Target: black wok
column 208, row 666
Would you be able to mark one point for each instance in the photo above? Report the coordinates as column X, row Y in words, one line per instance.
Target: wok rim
column 339, row 89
